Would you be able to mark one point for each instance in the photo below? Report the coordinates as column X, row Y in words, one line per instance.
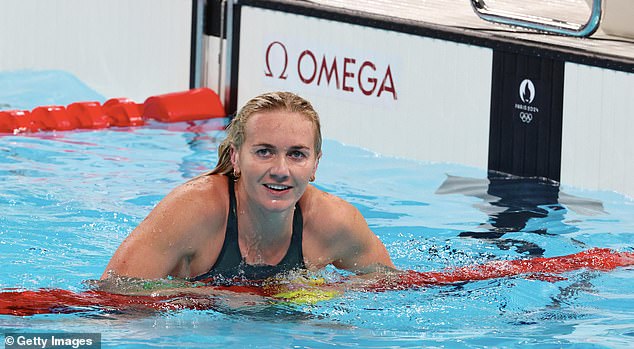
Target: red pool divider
column 17, row 119
column 123, row 112
column 54, row 117
column 59, row 301
column 544, row 268
column 50, row 301
column 194, row 104
column 89, row 115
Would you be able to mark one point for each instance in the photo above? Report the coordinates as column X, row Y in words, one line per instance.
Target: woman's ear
column 235, row 160
column 313, row 175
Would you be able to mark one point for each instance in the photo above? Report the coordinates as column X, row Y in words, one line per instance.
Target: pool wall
column 397, row 86
column 119, row 48
column 441, row 93
column 369, row 93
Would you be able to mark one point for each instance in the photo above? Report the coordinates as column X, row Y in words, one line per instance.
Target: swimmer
column 255, row 215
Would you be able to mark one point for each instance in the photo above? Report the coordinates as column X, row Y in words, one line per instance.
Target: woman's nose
column 279, row 170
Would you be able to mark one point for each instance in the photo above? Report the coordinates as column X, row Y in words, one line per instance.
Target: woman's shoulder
column 334, row 230
column 206, row 183
column 207, row 192
column 315, row 198
column 326, row 209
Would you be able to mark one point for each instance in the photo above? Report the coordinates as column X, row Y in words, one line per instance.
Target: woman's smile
column 278, row 187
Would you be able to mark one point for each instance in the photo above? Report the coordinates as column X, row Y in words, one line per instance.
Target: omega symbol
column 527, row 91
column 268, row 72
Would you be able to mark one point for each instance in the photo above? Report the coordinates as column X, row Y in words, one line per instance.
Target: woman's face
column 277, row 159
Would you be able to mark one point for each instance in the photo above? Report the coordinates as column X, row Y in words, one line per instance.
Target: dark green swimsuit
column 230, row 264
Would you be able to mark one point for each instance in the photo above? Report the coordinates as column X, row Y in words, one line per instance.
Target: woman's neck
column 263, row 236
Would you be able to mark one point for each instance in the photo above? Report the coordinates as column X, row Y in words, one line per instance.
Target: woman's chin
column 279, row 205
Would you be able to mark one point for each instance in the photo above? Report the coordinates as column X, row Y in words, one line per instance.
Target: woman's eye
column 263, row 152
column 297, row 154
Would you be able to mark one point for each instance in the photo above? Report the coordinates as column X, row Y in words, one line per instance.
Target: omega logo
column 269, row 72
column 345, row 73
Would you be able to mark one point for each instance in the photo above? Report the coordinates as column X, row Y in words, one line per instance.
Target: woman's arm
column 360, row 250
column 340, row 235
column 167, row 240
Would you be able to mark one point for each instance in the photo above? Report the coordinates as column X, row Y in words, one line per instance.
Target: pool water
column 69, row 198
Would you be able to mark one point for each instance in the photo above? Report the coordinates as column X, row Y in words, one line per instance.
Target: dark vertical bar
column 232, row 106
column 495, row 127
column 518, row 136
column 526, row 115
column 543, row 141
column 194, row 59
column 213, row 15
column 556, row 123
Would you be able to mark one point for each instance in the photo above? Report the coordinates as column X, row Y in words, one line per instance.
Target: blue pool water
column 68, row 199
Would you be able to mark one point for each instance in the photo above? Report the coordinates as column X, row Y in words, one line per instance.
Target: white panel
column 597, row 143
column 120, row 48
column 440, row 111
column 212, row 76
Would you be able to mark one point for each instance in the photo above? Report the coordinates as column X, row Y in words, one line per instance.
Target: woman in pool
column 255, row 215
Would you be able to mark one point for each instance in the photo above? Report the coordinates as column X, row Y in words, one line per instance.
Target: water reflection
column 511, row 202
column 202, row 138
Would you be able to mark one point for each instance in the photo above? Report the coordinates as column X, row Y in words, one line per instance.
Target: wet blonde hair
column 264, row 103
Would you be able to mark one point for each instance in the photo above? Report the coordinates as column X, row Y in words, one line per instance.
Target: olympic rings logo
column 526, row 117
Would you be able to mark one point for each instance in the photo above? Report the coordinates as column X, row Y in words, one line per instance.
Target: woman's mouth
column 277, row 187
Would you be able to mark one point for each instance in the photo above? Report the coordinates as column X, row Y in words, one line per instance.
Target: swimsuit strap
column 230, row 255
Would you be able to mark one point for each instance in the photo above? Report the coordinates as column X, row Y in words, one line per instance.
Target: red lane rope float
column 194, row 104
column 602, row 259
column 11, row 120
column 47, row 301
column 58, row 301
column 124, row 112
column 88, row 114
column 174, row 107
